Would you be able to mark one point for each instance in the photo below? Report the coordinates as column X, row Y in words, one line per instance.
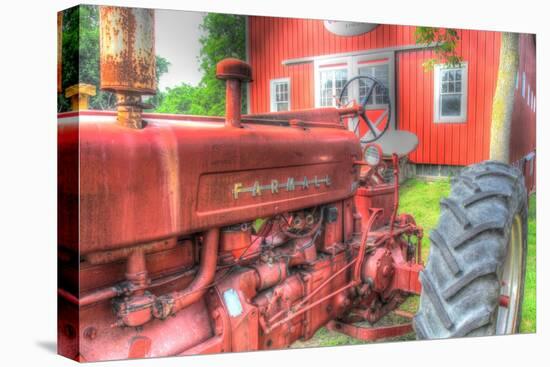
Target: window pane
column 444, row 87
column 282, row 106
column 380, row 94
column 445, row 75
column 281, row 92
column 326, row 87
column 458, row 87
column 451, row 87
column 459, row 75
column 362, row 88
column 450, row 105
column 341, row 77
column 381, row 99
column 381, row 73
column 366, row 84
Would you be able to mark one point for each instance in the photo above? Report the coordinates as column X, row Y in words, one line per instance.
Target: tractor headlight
column 372, row 154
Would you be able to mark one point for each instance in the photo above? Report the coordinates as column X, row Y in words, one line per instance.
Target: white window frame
column 462, row 118
column 273, row 83
column 352, row 65
column 326, row 65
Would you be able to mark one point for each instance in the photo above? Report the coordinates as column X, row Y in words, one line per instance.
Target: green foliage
column 224, row 36
column 80, row 60
column 445, row 50
column 80, row 56
column 180, row 99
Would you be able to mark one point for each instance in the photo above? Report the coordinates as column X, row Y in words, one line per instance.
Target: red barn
column 300, row 63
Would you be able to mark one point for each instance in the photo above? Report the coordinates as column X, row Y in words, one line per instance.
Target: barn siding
column 523, row 129
column 449, row 143
column 272, row 40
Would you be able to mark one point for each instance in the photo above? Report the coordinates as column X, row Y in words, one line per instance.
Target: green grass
column 529, row 319
column 421, row 199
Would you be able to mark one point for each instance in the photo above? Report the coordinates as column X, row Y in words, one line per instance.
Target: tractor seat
column 398, row 142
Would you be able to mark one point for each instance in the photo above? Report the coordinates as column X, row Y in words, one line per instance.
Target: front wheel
column 474, row 278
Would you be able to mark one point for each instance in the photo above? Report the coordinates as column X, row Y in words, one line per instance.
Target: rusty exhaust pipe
column 141, row 306
column 171, row 303
column 233, row 71
column 127, row 60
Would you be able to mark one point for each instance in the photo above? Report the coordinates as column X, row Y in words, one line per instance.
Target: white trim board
column 302, row 60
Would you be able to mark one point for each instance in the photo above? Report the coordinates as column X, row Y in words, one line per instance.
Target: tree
column 503, row 100
column 80, row 55
column 224, row 36
column 181, row 99
column 444, row 40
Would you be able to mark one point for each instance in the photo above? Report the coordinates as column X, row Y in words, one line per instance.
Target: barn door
column 332, row 73
column 380, row 66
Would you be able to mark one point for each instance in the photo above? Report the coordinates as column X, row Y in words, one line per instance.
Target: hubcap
column 507, row 317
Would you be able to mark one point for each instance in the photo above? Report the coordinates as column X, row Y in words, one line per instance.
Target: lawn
column 421, row 199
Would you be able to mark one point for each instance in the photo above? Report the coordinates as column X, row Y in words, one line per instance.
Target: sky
column 177, row 39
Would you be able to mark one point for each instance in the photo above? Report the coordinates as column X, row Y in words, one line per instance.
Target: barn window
column 379, row 95
column 332, row 80
column 450, row 93
column 280, row 95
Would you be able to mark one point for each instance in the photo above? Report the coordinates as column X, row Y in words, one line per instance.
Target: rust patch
column 127, row 43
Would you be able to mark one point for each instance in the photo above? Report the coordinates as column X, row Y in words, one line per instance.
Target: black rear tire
column 462, row 281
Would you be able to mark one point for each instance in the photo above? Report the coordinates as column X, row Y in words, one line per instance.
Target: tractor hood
column 179, row 176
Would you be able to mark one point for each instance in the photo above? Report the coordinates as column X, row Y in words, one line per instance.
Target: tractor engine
column 187, row 235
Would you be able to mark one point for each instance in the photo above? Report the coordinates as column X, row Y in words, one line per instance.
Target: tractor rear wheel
column 474, row 278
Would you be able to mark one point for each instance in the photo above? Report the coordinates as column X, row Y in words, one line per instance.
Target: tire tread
column 467, row 253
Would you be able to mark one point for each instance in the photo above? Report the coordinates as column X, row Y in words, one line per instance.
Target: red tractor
column 187, row 235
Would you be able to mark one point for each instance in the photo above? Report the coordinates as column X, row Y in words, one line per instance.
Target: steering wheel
column 373, row 126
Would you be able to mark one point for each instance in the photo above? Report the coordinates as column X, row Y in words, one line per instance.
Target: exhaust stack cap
column 233, row 69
